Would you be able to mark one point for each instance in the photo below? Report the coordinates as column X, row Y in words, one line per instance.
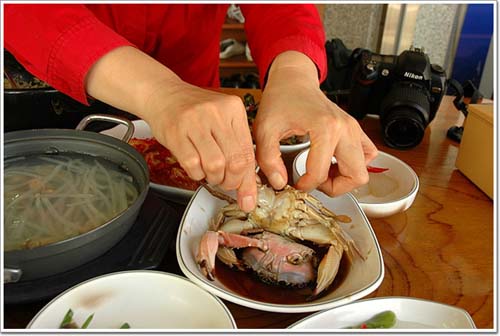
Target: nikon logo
column 412, row 75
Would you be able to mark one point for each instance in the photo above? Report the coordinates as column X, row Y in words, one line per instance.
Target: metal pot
column 67, row 254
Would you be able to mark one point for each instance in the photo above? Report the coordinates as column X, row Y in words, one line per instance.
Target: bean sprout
column 52, row 198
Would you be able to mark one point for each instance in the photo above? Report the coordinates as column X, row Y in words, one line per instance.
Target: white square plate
column 363, row 277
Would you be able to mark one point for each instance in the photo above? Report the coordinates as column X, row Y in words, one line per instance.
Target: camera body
column 405, row 91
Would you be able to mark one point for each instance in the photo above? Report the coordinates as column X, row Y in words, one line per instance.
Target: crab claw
column 206, row 254
column 209, row 245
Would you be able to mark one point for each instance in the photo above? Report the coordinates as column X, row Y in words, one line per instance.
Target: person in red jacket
column 155, row 61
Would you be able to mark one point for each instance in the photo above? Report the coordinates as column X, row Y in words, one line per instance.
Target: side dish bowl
column 362, row 278
column 142, row 299
column 388, row 192
column 411, row 313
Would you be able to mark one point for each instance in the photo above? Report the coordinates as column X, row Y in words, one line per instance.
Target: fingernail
column 248, row 203
column 277, row 180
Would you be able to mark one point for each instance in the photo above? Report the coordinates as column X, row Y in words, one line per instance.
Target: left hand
column 293, row 104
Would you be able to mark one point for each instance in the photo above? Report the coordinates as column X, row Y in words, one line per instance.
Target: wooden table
column 440, row 249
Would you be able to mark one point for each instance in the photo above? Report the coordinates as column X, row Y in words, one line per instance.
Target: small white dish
column 387, row 193
column 143, row 299
column 363, row 277
column 411, row 313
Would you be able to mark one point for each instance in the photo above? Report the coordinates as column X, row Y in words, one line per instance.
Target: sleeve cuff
column 74, row 53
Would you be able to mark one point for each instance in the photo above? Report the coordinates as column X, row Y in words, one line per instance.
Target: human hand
column 293, row 104
column 208, row 133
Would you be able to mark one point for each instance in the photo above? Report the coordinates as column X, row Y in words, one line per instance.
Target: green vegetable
column 68, row 323
column 383, row 320
column 87, row 321
column 125, row 326
column 68, row 318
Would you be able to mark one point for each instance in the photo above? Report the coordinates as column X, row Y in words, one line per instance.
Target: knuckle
column 191, row 163
column 333, row 124
column 239, row 162
column 360, row 178
column 215, row 165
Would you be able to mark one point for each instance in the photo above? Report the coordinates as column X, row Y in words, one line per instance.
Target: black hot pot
column 39, row 262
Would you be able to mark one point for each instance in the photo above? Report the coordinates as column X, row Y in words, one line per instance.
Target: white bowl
column 143, row 299
column 363, row 277
column 387, row 193
column 290, row 149
column 410, row 313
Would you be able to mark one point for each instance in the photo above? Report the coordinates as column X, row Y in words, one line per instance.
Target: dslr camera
column 405, row 90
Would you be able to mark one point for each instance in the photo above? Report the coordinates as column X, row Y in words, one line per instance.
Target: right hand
column 209, row 135
column 207, row 131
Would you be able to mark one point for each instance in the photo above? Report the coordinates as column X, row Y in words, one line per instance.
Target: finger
column 247, row 192
column 369, row 149
column 213, row 162
column 269, row 159
column 318, row 161
column 236, row 144
column 188, row 158
column 350, row 171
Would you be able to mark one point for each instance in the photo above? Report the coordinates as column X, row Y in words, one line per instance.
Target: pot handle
column 11, row 275
column 110, row 118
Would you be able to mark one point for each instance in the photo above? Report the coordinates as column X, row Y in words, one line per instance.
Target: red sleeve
column 273, row 29
column 58, row 43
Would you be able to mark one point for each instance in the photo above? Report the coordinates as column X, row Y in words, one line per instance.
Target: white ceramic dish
column 143, row 131
column 143, row 299
column 362, row 278
column 387, row 193
column 410, row 313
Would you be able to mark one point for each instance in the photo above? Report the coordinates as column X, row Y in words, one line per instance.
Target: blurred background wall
column 455, row 36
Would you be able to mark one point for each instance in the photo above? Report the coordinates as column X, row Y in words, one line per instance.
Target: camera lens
column 404, row 116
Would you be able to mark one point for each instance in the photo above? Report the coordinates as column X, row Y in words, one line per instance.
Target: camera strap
column 459, row 99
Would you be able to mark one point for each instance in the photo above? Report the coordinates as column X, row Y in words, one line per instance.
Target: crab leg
column 329, row 265
column 206, row 253
column 328, row 268
column 210, row 243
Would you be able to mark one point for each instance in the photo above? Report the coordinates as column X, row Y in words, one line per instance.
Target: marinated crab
column 292, row 215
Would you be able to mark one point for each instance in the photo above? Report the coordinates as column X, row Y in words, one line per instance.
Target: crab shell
column 284, row 263
column 289, row 213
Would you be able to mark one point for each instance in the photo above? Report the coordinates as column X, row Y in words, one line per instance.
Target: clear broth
column 49, row 198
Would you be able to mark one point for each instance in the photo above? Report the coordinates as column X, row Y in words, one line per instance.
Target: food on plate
column 270, row 240
column 163, row 166
column 251, row 107
column 69, row 323
column 49, row 198
column 383, row 320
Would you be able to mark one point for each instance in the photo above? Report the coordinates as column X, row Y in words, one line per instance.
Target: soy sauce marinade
column 248, row 285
